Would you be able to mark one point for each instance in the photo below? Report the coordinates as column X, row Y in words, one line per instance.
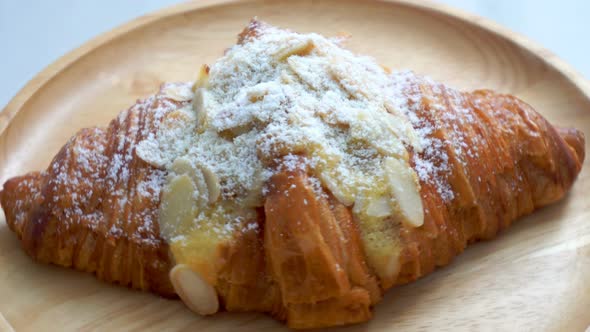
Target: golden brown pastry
column 301, row 249
column 86, row 211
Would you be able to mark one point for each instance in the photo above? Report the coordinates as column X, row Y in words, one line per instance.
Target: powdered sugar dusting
column 431, row 163
column 317, row 107
column 96, row 181
column 440, row 116
column 283, row 100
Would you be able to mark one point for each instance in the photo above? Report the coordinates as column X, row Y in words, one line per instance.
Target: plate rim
column 45, row 76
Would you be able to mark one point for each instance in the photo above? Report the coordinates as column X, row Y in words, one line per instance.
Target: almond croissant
column 491, row 159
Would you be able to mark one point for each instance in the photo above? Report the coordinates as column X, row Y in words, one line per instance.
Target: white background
column 34, row 33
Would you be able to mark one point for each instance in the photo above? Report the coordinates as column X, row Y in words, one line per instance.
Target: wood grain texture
column 533, row 277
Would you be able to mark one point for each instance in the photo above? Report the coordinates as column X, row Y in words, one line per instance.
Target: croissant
column 301, row 253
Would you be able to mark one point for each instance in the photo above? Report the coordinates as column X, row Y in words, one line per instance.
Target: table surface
column 34, row 33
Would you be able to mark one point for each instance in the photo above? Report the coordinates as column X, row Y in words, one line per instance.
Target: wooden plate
column 536, row 276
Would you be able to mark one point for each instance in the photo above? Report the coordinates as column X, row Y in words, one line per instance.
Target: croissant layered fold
column 96, row 207
column 86, row 212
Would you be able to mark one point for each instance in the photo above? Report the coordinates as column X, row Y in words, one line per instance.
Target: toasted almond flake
column 177, row 208
column 299, row 47
column 177, row 92
column 202, row 106
column 182, row 165
column 202, row 79
column 379, row 207
column 405, row 189
column 393, row 267
column 195, row 292
column 336, row 189
column 212, row 183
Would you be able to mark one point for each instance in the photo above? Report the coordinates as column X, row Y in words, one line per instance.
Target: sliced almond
column 177, row 92
column 379, row 207
column 173, row 138
column 212, row 182
column 382, row 249
column 177, row 209
column 254, row 197
column 235, row 131
column 182, row 165
column 198, row 295
column 405, row 189
column 180, row 118
column 342, row 195
column 199, row 180
column 287, row 78
column 201, row 107
column 359, row 204
column 202, row 79
column 400, row 126
column 356, row 86
column 306, row 70
column 302, row 48
column 392, row 267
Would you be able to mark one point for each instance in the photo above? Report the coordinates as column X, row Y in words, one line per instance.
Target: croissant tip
column 576, row 140
column 4, row 205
